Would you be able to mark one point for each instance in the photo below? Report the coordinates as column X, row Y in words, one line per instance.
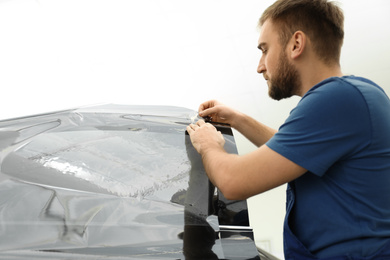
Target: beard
column 286, row 81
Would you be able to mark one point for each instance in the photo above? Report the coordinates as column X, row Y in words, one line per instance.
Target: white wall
column 58, row 54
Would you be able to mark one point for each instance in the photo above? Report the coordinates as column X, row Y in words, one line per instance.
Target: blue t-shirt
column 340, row 133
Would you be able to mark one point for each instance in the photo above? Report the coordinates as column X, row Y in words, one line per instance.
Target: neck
column 315, row 73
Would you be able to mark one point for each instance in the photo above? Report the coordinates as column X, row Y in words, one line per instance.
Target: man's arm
column 253, row 130
column 240, row 177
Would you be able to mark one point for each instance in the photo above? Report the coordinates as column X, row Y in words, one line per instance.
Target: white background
column 60, row 54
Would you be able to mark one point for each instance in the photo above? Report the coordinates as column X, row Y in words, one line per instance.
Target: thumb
column 208, row 112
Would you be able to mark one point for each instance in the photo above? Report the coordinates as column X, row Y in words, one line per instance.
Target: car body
column 114, row 182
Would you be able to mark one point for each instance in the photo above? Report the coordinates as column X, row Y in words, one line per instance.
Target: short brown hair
column 322, row 21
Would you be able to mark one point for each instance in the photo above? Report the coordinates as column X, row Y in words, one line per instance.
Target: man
column 333, row 150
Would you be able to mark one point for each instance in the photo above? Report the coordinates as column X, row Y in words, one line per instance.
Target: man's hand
column 218, row 112
column 205, row 136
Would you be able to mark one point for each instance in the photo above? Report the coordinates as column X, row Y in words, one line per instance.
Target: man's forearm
column 219, row 168
column 253, row 130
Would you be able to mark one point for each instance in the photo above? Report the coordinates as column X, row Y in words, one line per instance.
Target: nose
column 261, row 67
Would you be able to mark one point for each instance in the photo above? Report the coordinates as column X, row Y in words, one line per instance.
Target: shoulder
column 338, row 96
column 347, row 95
column 344, row 89
column 333, row 118
column 332, row 109
column 332, row 88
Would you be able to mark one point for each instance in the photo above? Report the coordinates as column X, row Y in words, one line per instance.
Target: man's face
column 286, row 80
column 282, row 77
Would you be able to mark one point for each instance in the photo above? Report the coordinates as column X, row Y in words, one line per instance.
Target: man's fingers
column 189, row 129
column 207, row 112
column 193, row 127
column 200, row 122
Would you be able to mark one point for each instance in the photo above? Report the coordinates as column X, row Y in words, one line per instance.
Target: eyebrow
column 261, row 46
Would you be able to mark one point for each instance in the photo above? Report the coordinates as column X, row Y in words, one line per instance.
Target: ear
column 298, row 44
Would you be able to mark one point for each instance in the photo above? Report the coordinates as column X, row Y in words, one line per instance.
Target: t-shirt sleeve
column 329, row 124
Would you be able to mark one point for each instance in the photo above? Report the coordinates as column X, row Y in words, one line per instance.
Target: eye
column 263, row 50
